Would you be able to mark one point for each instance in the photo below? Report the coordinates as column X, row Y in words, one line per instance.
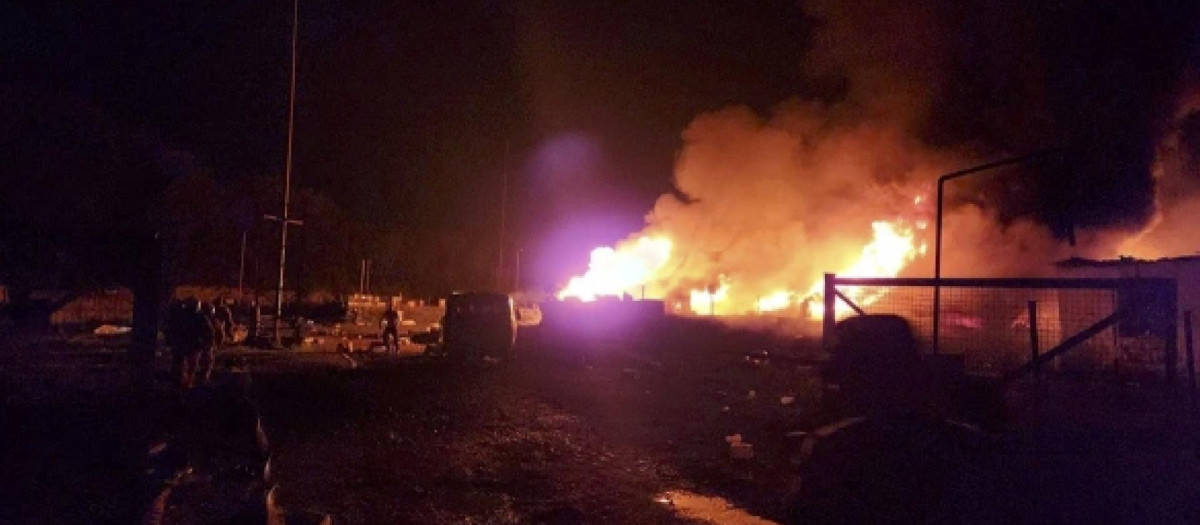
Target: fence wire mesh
column 990, row 326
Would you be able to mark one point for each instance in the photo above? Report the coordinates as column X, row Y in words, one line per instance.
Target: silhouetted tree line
column 76, row 173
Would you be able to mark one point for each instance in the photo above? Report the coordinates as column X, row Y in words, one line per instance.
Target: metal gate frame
column 1124, row 311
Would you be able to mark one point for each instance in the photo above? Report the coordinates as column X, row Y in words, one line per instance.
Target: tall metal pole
column 503, row 220
column 242, row 268
column 937, row 250
column 287, row 179
column 937, row 267
column 1034, row 348
column 517, row 270
column 1191, row 357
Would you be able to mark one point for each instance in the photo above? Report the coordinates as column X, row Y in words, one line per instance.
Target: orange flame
column 613, row 272
column 634, row 264
column 704, row 302
column 890, row 250
column 775, row 301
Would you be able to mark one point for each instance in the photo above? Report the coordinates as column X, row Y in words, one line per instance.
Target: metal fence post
column 830, row 318
column 1191, row 356
column 1033, row 339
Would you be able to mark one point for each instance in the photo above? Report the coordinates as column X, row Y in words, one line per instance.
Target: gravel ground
column 636, row 433
column 544, row 440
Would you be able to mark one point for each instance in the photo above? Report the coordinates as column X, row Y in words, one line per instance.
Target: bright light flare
column 613, row 272
column 774, row 302
column 704, row 302
column 891, row 248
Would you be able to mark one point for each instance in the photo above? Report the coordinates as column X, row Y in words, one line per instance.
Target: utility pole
column 503, row 219
column 362, row 277
column 517, row 269
column 284, row 219
column 242, row 268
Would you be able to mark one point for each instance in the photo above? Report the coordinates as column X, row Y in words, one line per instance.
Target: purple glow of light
column 563, row 252
column 569, row 156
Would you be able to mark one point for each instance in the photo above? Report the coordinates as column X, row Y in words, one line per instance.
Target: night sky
column 410, row 114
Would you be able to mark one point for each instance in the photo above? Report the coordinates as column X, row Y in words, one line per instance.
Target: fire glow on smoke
column 766, row 203
column 614, row 272
column 632, row 266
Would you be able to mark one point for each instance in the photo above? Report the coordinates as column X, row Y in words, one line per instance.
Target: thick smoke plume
column 907, row 91
column 1176, row 170
column 771, row 203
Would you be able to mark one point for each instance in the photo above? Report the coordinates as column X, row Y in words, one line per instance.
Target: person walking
column 391, row 329
column 207, row 337
column 176, row 334
column 224, row 317
column 185, row 331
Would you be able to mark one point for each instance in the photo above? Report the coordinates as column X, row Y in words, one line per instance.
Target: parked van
column 479, row 324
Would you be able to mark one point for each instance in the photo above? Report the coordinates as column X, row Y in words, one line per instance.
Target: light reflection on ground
column 709, row 509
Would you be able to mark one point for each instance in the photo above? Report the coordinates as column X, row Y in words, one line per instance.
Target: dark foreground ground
column 637, row 434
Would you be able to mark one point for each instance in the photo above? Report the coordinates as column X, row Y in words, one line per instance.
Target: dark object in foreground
column 899, row 448
column 893, row 468
column 215, row 466
column 876, row 366
column 479, row 324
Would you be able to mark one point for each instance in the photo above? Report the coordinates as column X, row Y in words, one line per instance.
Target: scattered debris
column 756, row 359
column 108, row 329
column 751, row 395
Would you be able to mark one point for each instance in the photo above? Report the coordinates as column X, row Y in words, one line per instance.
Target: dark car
column 479, row 324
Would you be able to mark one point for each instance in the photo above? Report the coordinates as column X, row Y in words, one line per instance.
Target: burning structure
column 764, row 204
column 749, row 231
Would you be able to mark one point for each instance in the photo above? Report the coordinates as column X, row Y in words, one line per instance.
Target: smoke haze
column 769, row 201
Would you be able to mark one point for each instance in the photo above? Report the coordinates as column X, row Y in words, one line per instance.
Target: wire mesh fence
column 988, row 322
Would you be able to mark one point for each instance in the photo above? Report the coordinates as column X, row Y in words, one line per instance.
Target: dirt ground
column 635, row 433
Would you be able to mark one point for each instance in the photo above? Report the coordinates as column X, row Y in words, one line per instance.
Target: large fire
column 890, row 250
column 633, row 265
column 620, row 271
column 764, row 204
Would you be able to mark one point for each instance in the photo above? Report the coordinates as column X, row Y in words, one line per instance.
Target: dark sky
column 410, row 113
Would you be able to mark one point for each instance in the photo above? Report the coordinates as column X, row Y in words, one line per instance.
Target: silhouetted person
column 187, row 332
column 224, row 318
column 391, row 329
column 176, row 336
column 208, row 335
